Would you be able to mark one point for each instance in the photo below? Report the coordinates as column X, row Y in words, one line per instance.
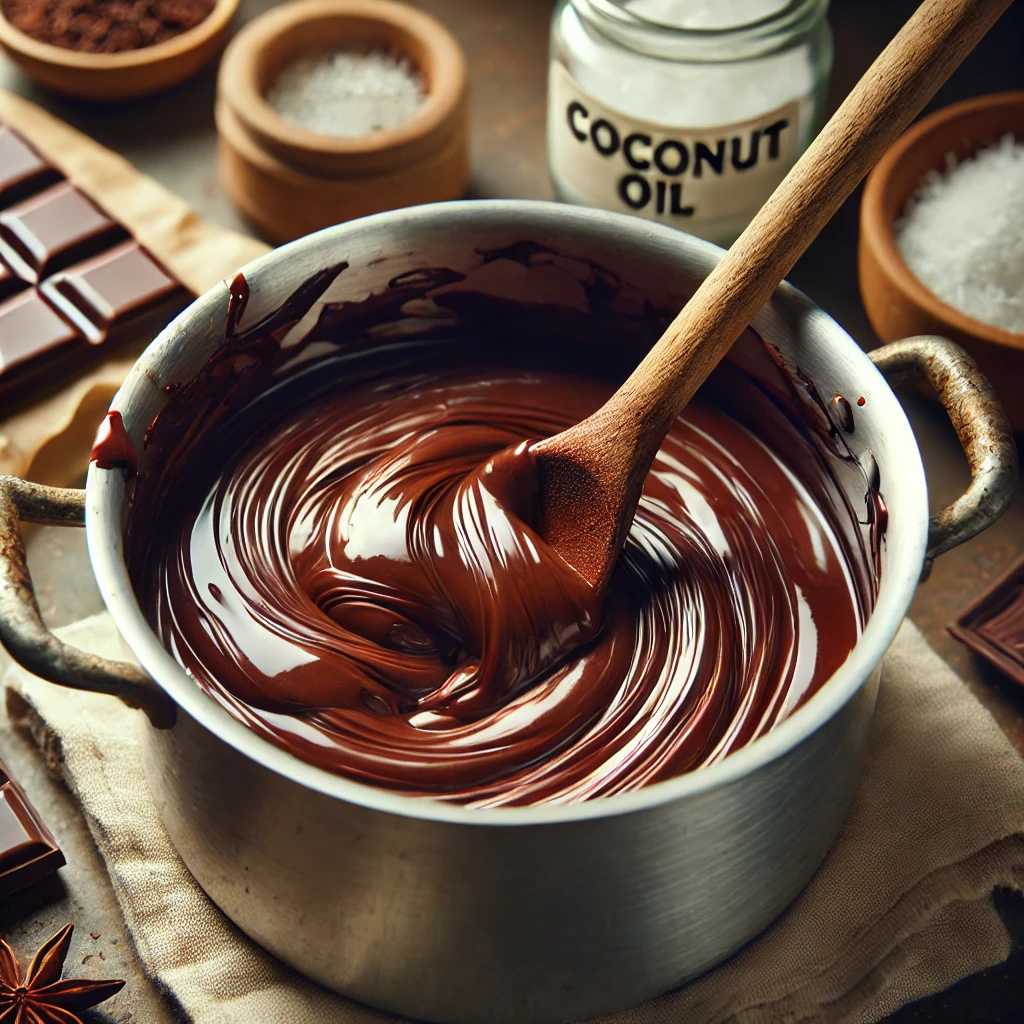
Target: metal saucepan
column 537, row 914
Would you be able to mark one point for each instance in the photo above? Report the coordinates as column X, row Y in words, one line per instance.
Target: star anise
column 41, row 997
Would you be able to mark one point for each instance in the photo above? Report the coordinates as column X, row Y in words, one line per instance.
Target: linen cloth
column 901, row 907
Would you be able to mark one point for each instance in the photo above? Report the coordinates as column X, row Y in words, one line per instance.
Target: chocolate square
column 118, row 286
column 52, row 230
column 29, row 327
column 22, row 170
column 993, row 625
column 28, row 850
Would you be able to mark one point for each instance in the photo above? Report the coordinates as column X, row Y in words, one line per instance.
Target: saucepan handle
column 979, row 422
column 22, row 631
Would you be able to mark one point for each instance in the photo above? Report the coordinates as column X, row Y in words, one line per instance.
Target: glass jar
column 688, row 112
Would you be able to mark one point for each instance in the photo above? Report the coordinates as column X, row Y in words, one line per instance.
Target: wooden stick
column 601, row 463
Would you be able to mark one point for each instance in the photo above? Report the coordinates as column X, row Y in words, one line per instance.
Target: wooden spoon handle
column 892, row 92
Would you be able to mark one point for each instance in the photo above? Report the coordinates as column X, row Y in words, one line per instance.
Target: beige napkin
column 55, row 435
column 901, row 907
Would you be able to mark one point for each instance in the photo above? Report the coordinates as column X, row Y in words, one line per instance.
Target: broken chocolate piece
column 22, row 170
column 101, row 294
column 28, row 328
column 28, row 850
column 52, row 230
column 993, row 624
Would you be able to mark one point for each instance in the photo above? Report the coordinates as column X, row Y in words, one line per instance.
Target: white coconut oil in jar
column 688, row 112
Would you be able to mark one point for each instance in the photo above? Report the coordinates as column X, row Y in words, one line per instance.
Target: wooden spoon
column 589, row 477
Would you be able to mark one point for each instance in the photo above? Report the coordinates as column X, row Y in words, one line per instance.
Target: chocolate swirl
column 344, row 582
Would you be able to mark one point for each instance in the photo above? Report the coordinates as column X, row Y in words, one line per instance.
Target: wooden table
column 172, row 137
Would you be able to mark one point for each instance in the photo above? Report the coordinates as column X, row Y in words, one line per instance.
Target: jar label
column 682, row 176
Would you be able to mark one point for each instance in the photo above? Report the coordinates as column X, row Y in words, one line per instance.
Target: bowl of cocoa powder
column 113, row 49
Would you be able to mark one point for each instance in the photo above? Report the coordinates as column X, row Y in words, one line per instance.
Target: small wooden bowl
column 896, row 302
column 289, row 180
column 113, row 77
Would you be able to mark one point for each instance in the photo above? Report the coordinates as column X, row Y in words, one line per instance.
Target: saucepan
column 531, row 914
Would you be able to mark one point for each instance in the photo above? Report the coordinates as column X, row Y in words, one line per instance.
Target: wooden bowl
column 289, row 180
column 896, row 302
column 284, row 202
column 114, row 77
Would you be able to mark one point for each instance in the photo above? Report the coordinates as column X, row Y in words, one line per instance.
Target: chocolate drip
column 113, row 448
column 843, row 412
column 238, row 299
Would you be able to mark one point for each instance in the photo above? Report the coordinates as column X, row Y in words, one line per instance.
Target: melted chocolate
column 315, row 537
column 336, row 572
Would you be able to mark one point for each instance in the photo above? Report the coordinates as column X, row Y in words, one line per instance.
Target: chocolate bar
column 28, row 850
column 993, row 625
column 73, row 283
column 9, row 281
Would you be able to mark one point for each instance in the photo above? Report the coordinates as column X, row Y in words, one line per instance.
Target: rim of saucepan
column 105, row 494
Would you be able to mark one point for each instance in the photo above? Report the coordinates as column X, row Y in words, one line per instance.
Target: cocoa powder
column 105, row 26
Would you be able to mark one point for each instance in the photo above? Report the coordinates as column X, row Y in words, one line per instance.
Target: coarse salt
column 347, row 93
column 962, row 234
